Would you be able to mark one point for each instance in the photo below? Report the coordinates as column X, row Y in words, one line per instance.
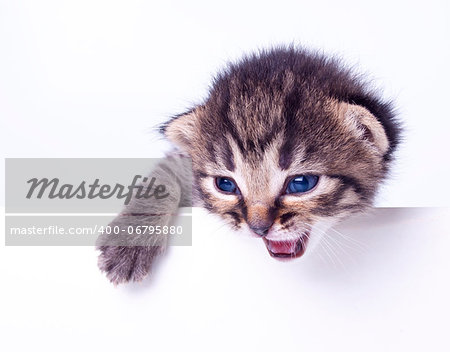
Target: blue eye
column 302, row 183
column 227, row 185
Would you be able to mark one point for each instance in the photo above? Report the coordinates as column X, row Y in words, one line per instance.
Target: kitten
column 288, row 143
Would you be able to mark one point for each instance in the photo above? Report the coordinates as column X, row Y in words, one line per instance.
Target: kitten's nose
column 261, row 230
column 260, row 218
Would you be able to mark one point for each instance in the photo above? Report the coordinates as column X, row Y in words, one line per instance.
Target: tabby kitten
column 288, row 143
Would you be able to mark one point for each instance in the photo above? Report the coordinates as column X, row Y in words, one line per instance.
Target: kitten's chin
column 287, row 249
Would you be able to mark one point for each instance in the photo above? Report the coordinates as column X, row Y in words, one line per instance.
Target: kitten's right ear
column 180, row 129
column 365, row 124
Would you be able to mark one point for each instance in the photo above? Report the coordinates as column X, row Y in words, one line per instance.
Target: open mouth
column 287, row 249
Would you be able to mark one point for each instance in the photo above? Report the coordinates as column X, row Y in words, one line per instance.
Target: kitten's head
column 286, row 144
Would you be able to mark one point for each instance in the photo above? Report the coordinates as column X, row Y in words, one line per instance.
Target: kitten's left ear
column 365, row 124
column 180, row 130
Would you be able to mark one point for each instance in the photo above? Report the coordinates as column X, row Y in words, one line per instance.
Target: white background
column 93, row 78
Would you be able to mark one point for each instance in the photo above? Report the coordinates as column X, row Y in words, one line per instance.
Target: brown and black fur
column 280, row 113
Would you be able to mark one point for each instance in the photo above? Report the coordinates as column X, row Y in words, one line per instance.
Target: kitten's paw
column 124, row 264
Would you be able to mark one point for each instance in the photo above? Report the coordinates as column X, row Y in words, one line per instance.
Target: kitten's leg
column 129, row 256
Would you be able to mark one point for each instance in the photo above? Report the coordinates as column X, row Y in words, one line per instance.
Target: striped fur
column 281, row 113
column 269, row 117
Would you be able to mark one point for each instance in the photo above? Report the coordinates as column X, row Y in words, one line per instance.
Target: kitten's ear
column 365, row 124
column 180, row 130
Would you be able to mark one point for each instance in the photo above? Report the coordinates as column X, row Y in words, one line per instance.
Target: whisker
column 221, row 226
column 332, row 250
column 344, row 246
column 327, row 249
column 352, row 243
column 362, row 246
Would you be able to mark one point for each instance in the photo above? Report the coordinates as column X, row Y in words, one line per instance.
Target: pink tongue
column 282, row 247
